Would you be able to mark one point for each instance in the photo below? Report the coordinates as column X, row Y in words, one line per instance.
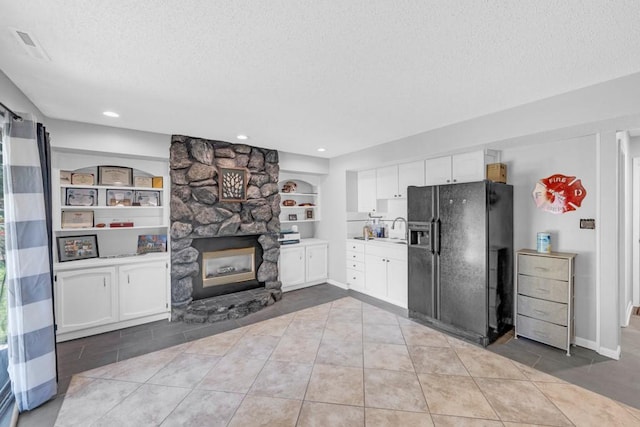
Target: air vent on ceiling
column 30, row 44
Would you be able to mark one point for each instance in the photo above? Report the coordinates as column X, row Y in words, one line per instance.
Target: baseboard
column 607, row 352
column 338, row 284
column 627, row 317
column 581, row 342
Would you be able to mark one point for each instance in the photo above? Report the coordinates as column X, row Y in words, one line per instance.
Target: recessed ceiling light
column 322, row 149
column 111, row 114
column 243, row 137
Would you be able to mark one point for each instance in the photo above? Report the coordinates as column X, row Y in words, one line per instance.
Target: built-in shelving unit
column 119, row 288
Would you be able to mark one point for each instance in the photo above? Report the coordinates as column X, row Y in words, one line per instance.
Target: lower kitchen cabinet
column 379, row 270
column 93, row 299
column 303, row 264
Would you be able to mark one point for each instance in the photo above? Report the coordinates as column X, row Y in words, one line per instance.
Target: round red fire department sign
column 559, row 194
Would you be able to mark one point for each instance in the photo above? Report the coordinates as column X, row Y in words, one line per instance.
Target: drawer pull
column 541, row 334
column 541, row 269
column 543, row 290
column 353, row 256
column 543, row 313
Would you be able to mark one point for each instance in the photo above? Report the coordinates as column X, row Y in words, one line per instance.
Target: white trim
column 627, row 315
column 598, row 235
column 636, row 231
column 303, row 285
column 66, row 336
column 612, row 354
column 338, row 284
column 582, row 342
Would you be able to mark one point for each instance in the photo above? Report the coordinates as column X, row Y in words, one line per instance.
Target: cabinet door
column 468, row 167
column 387, row 182
column 397, row 282
column 143, row 289
column 409, row 174
column 85, row 298
column 438, row 171
column 367, row 191
column 316, row 262
column 375, row 283
column 292, row 266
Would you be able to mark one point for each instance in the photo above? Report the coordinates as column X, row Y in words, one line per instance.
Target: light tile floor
column 344, row 363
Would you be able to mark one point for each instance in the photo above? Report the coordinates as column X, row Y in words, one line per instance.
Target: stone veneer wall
column 196, row 212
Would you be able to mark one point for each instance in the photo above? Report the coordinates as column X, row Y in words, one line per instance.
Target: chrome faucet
column 393, row 226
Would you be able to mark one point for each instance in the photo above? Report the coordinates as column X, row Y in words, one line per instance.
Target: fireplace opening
column 228, row 266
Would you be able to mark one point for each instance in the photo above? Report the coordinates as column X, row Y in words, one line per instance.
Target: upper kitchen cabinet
column 367, row 193
column 465, row 167
column 392, row 181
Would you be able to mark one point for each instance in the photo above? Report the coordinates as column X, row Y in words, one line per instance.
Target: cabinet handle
column 387, row 260
column 541, row 269
column 104, row 282
column 455, row 180
column 543, row 313
column 448, row 180
column 543, row 291
column 128, row 279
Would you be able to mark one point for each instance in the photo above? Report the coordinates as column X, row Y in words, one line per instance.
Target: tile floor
column 338, row 363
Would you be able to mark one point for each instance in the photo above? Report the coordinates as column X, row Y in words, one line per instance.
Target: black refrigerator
column 461, row 258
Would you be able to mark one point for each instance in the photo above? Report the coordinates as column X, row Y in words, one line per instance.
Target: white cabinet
column 292, row 265
column 367, row 196
column 303, row 264
column 85, row 299
column 378, row 269
column 465, row 167
column 93, row 297
column 392, row 181
column 143, row 289
column 316, row 262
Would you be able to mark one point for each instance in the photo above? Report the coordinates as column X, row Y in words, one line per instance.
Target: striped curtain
column 32, row 361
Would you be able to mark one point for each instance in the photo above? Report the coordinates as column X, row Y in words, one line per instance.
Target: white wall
column 13, row 98
column 112, row 140
column 574, row 157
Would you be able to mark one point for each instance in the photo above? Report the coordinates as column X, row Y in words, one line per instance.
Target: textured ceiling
column 301, row 74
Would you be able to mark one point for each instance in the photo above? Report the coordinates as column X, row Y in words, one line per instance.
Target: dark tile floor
column 619, row 380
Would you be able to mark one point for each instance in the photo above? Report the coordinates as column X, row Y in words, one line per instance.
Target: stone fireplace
column 224, row 254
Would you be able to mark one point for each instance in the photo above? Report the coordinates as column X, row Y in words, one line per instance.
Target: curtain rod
column 10, row 111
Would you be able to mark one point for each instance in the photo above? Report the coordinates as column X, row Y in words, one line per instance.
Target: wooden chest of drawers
column 544, row 303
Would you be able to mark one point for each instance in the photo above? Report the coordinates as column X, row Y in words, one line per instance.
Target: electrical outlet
column 588, row 223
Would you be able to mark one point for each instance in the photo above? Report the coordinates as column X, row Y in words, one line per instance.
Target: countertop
column 305, row 242
column 380, row 240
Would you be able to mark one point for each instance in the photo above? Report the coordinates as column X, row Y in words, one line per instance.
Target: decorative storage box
column 497, row 172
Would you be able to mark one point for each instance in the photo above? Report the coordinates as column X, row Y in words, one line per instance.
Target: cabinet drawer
column 355, row 278
column 388, row 250
column 355, row 265
column 545, row 332
column 355, row 256
column 553, row 312
column 552, row 290
column 546, row 267
column 353, row 246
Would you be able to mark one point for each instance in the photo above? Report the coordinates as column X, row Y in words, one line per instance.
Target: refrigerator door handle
column 437, row 236
column 432, row 229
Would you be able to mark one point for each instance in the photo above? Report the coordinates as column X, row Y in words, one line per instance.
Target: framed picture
column 77, row 219
column 81, row 197
column 147, row 198
column 293, row 217
column 143, row 181
column 152, row 243
column 309, row 213
column 115, row 175
column 82, row 179
column 233, row 184
column 72, row 248
column 65, row 177
column 119, row 197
